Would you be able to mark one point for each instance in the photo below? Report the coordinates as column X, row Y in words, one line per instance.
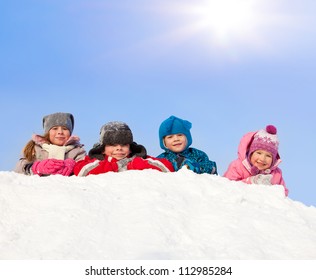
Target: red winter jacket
column 89, row 165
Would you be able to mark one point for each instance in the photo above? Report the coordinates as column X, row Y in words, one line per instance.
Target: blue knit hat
column 174, row 125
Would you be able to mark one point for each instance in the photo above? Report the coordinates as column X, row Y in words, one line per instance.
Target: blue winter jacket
column 194, row 159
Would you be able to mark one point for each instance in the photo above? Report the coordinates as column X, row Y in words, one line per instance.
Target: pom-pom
column 271, row 129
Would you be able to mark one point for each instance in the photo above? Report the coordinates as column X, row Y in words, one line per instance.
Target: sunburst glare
column 226, row 24
column 224, row 18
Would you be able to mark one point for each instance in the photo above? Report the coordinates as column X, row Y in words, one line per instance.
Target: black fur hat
column 114, row 133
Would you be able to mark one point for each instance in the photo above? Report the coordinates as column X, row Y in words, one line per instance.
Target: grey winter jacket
column 75, row 151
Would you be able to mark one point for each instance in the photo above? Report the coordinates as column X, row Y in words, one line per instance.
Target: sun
column 223, row 22
column 227, row 28
column 225, row 18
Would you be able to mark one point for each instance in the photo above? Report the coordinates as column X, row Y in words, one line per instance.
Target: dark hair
column 136, row 150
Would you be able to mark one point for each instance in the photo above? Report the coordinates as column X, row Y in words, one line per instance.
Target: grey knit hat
column 58, row 119
column 116, row 133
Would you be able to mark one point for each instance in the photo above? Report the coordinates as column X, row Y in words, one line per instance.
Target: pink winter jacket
column 240, row 169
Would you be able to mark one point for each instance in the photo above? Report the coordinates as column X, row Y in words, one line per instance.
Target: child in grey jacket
column 56, row 152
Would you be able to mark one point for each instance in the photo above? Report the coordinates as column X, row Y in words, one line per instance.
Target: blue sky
column 228, row 70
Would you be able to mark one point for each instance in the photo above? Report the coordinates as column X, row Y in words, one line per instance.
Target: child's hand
column 190, row 165
column 47, row 166
column 68, row 167
column 263, row 179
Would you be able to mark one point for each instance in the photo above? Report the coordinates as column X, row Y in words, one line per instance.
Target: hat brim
column 97, row 151
column 138, row 150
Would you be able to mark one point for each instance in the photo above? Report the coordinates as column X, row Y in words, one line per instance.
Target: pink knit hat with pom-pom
column 265, row 139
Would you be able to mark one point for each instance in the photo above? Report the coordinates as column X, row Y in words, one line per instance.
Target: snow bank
column 150, row 215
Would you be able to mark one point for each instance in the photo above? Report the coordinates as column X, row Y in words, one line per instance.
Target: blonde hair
column 29, row 149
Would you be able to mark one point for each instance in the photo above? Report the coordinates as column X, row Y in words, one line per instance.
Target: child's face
column 58, row 135
column 117, row 151
column 261, row 159
column 176, row 142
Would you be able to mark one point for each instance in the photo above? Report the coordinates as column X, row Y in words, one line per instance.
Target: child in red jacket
column 116, row 152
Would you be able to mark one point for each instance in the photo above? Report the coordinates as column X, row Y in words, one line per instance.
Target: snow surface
column 149, row 215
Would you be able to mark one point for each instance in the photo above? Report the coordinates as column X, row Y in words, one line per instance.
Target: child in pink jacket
column 258, row 159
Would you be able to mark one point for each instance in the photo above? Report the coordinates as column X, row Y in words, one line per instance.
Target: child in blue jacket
column 175, row 138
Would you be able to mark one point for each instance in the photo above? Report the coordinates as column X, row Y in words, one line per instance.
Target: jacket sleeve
column 286, row 190
column 170, row 159
column 278, row 180
column 81, row 154
column 202, row 163
column 235, row 173
column 24, row 167
column 89, row 166
column 139, row 163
